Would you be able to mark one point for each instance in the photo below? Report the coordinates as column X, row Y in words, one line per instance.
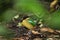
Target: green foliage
column 33, row 6
column 5, row 32
column 54, row 20
column 9, row 9
column 8, row 14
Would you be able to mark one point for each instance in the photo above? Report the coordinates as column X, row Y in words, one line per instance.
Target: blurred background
column 39, row 8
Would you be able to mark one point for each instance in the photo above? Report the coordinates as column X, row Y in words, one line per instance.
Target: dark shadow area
column 5, row 5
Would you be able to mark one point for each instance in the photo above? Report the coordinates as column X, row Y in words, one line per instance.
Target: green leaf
column 8, row 15
column 33, row 6
column 54, row 20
